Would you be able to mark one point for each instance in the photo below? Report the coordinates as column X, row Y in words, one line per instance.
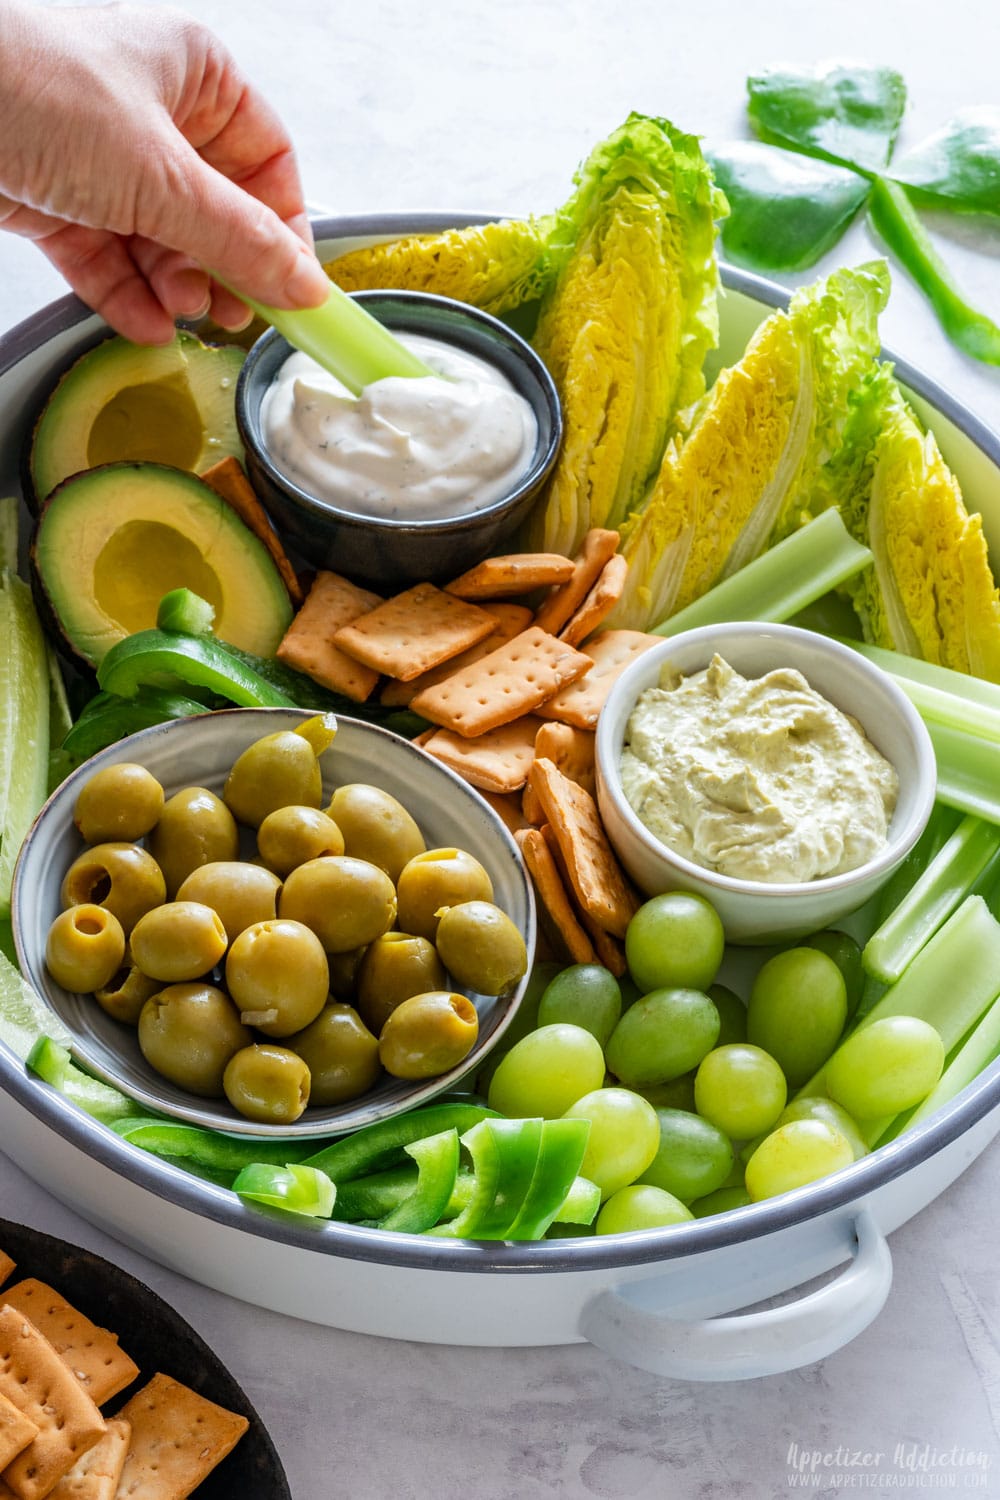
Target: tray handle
column 744, row 1345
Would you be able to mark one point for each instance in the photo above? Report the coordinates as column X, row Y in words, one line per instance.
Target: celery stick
column 8, row 534
column 816, row 558
column 945, row 882
column 24, row 723
column 345, row 339
column 974, row 690
column 966, row 772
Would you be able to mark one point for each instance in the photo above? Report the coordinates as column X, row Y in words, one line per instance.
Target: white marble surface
column 480, row 107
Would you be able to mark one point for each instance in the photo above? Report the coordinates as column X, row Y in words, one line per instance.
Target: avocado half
column 113, row 540
column 123, row 402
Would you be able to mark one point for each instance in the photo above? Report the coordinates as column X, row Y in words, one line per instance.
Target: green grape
column 640, row 1207
column 720, row 1202
column 674, row 941
column 817, row 1108
column 885, row 1067
column 795, row 1154
column 694, row 1157
column 797, row 1010
column 586, row 995
column 624, row 1135
column 661, row 1036
column 676, row 1093
column 846, row 954
column 740, row 1089
column 732, row 1014
column 546, row 1072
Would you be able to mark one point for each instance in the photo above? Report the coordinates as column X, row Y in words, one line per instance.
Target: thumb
column 195, row 209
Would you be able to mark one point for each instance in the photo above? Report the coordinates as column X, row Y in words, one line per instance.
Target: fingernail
column 308, row 284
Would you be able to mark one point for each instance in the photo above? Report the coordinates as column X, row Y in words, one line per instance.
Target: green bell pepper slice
column 382, row 1145
column 297, row 1189
column 436, row 1157
column 560, row 1156
column 207, row 1148
column 108, row 718
column 504, row 1157
column 149, row 656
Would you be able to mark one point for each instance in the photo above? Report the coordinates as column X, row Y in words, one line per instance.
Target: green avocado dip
column 758, row 779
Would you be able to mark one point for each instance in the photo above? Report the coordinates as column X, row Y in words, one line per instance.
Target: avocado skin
column 59, row 440
column 256, row 608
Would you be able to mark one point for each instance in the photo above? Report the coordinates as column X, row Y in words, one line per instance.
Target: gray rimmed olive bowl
column 200, row 751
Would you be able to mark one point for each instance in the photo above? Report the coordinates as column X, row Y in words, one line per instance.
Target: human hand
column 135, row 154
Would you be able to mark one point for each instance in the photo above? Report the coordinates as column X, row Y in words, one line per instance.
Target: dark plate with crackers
column 145, row 1352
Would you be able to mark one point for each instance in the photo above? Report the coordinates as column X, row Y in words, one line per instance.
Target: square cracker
column 556, row 906
column 597, row 548
column 414, row 631
column 518, row 573
column 507, row 806
column 511, row 681
column 178, row 1437
column 89, row 1352
column 229, row 481
column 599, row 603
column 581, row 702
column 597, row 879
column 35, row 1379
column 493, row 762
column 17, row 1430
column 510, row 619
column 7, row 1266
column 308, row 642
column 95, row 1476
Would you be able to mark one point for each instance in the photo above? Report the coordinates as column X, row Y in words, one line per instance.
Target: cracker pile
column 514, row 693
column 57, row 1369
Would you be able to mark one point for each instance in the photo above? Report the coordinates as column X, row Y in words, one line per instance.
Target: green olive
column 277, row 974
column 280, row 770
column 375, row 827
column 126, row 992
column 195, row 828
column 396, row 966
column 481, row 948
column 188, row 1032
column 242, row 893
column 341, row 1054
column 267, row 1083
column 122, row 878
column 346, row 902
column 118, row 802
column 428, row 1034
column 290, row 836
column 180, row 940
column 434, row 879
column 84, row 948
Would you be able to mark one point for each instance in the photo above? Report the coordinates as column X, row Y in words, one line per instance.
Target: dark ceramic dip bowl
column 387, row 552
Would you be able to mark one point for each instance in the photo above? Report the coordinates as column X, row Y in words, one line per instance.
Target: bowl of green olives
column 273, row 923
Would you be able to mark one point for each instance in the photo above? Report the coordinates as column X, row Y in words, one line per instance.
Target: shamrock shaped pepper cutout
column 825, row 142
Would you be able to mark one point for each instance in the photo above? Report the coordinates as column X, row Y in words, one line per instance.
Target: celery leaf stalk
column 797, row 571
column 24, row 723
column 347, row 341
column 943, row 885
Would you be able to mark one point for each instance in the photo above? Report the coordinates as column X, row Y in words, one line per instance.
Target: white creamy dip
column 411, row 449
column 759, row 779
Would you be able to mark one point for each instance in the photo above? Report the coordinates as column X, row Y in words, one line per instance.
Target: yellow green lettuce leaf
column 741, row 476
column 626, row 324
column 496, row 266
column 930, row 591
